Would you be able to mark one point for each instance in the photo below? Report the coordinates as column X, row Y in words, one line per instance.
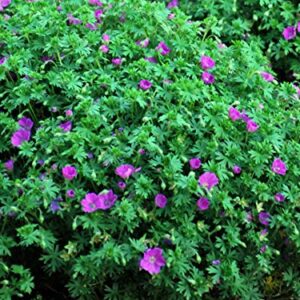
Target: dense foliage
column 262, row 21
column 142, row 158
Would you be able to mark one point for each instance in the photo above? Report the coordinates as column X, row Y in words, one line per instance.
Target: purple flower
column 195, row 163
column 4, row 3
column 69, row 113
column 236, row 169
column 2, row 60
column 264, row 218
column 54, row 206
column 151, row 59
column 20, row 136
column 106, row 200
column 59, row 8
column 104, row 48
column 153, row 260
column 105, row 38
column 125, row 171
column 234, row 114
column 267, row 76
column 252, row 126
column 216, row 262
column 90, row 202
column 70, row 193
column 122, row 185
column 289, row 33
column 171, row 16
column 279, row 197
column 47, row 58
column 279, row 166
column 98, row 13
column 69, row 172
column 263, row 248
column 208, row 180
column 142, row 151
column 91, row 26
column 264, row 232
column 163, row 48
column 203, row 203
column 208, row 78
column 207, row 62
column 25, row 123
column 161, row 200
column 245, row 117
column 72, row 20
column 117, row 61
column 249, row 217
column 41, row 162
column 95, row 2
column 67, row 126
column 54, row 167
column 145, row 84
column 144, row 43
column 90, row 155
column 172, row 4
column 9, row 165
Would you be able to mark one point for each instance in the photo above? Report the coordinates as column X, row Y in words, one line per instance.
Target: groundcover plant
column 142, row 158
column 273, row 24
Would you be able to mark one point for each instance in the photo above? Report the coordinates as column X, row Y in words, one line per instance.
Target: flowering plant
column 141, row 160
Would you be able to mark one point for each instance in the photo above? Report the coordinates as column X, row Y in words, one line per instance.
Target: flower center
column 152, row 259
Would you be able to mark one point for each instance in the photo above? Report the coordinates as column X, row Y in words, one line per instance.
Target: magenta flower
column 4, row 3
column 142, row 151
column 208, row 180
column 289, row 33
column 9, row 165
column 245, row 117
column 125, row 171
column 234, row 114
column 2, row 60
column 153, row 260
column 263, row 249
column 195, row 163
column 279, row 166
column 98, row 13
column 20, row 136
column 279, row 197
column 161, row 200
column 163, row 48
column 151, row 59
column 298, row 27
column 144, row 43
column 203, row 203
column 91, row 26
column 208, row 78
column 69, row 113
column 171, row 16
column 70, row 193
column 104, row 48
column 145, row 84
column 264, row 218
column 67, row 126
column 207, row 62
column 122, row 185
column 267, row 76
column 69, row 172
column 25, row 123
column 106, row 200
column 90, row 202
column 252, row 126
column 72, row 20
column 95, row 2
column 172, row 4
column 236, row 170
column 117, row 61
column 105, row 38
